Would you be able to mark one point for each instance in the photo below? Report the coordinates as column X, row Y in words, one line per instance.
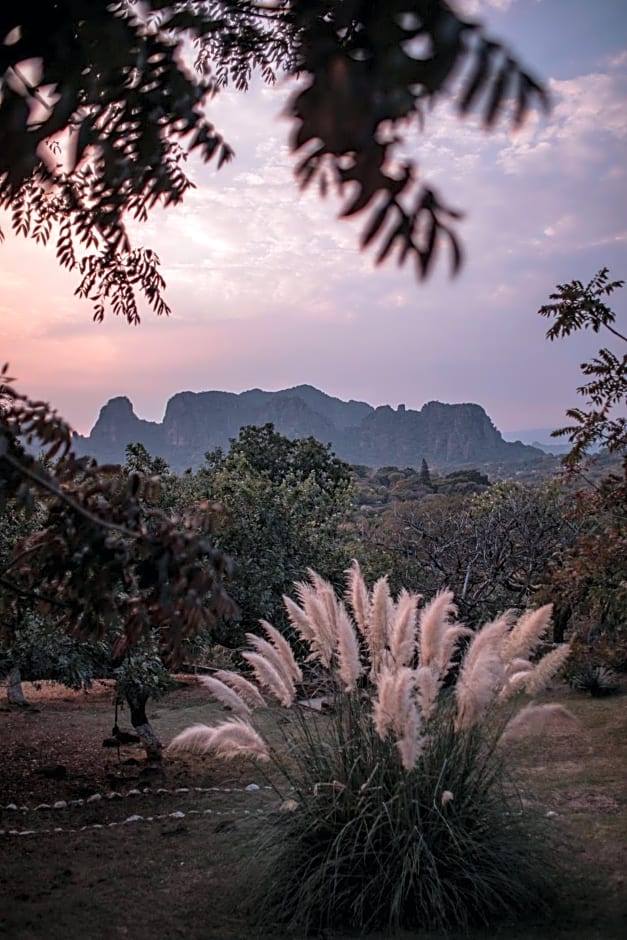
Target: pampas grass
column 357, row 596
column 403, row 629
column 223, row 693
column 434, row 622
column 267, row 676
column 228, row 740
column 400, row 807
column 245, row 689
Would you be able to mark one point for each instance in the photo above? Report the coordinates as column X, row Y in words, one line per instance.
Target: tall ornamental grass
column 398, row 810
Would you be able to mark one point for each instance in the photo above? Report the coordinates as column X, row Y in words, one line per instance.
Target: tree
column 491, row 549
column 104, row 556
column 590, row 578
column 285, row 504
column 425, row 475
column 99, row 111
column 577, row 307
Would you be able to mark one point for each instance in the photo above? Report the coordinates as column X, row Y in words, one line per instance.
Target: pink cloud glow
column 269, row 290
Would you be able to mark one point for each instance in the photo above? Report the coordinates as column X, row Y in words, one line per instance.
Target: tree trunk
column 139, row 720
column 561, row 617
column 15, row 693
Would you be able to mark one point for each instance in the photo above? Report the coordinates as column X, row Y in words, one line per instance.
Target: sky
column 269, row 290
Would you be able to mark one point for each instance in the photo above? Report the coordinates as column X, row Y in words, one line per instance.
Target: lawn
column 88, row 869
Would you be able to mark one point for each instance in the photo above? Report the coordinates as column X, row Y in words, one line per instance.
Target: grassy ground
column 189, row 876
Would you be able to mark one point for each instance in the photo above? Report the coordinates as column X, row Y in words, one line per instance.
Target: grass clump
column 398, row 811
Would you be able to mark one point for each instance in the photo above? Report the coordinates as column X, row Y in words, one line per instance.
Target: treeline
column 278, row 507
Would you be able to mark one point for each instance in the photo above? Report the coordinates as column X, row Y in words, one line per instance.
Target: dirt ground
column 182, row 866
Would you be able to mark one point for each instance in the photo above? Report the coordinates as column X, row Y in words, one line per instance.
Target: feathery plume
column 357, row 596
column 435, row 618
column 298, row 618
column 518, row 665
column 527, row 633
column 482, row 673
column 546, row 668
column 410, row 744
column 537, row 718
column 517, row 682
column 223, row 693
column 448, row 643
column 384, row 702
column 322, row 640
column 237, row 738
column 284, row 648
column 245, row 689
column 377, row 628
column 193, row 740
column 268, row 677
column 402, row 636
column 279, row 654
column 325, row 592
column 349, row 665
column 403, row 702
column 427, row 686
column 233, row 738
column 272, row 655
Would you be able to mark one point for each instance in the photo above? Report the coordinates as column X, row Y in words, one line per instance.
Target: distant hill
column 540, row 438
column 195, row 422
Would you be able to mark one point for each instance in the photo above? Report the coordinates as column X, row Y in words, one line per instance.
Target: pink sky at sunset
column 269, row 290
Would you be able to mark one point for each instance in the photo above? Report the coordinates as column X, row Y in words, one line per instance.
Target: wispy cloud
column 269, row 289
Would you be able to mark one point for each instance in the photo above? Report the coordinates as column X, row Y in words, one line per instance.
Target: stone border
column 146, row 791
column 135, row 818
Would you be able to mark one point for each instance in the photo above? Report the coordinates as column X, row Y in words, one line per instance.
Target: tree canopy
column 101, row 102
column 285, row 503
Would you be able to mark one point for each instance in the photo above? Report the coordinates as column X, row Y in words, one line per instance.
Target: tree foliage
column 491, row 549
column 104, row 555
column 581, row 307
column 99, row 109
column 589, row 578
column 285, row 504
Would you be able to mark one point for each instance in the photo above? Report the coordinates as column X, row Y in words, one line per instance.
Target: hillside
column 196, row 422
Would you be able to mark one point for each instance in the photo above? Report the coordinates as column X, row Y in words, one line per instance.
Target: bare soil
column 188, row 875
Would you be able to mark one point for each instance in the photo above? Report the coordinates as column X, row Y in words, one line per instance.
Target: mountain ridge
column 446, row 435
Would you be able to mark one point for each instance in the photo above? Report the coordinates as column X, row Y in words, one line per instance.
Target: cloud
column 269, row 289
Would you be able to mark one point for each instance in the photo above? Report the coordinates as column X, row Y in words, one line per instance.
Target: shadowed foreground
column 179, row 870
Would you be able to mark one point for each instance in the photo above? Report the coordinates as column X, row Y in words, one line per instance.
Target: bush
column 599, row 681
column 596, row 660
column 398, row 808
column 376, row 846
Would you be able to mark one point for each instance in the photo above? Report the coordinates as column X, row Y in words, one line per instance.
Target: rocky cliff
column 195, row 422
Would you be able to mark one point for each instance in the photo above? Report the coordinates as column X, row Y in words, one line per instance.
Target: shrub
column 401, row 810
column 596, row 660
column 599, row 681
